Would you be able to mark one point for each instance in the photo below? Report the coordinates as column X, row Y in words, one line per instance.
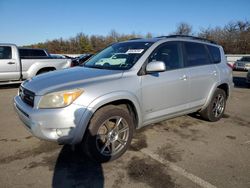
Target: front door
column 165, row 93
column 9, row 65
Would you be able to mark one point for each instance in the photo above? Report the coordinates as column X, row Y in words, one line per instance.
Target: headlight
column 59, row 99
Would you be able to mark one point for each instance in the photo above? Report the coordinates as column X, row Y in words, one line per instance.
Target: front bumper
column 63, row 125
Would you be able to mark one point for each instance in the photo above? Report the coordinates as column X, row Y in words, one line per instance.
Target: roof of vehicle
column 155, row 39
column 24, row 48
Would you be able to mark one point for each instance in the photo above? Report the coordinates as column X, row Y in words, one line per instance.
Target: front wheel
column 216, row 107
column 109, row 133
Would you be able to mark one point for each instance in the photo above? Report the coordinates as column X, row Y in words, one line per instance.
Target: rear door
column 165, row 93
column 9, row 64
column 202, row 72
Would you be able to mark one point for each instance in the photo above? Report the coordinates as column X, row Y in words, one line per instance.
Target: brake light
column 230, row 65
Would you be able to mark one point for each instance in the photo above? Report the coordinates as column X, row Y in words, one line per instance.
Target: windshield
column 119, row 56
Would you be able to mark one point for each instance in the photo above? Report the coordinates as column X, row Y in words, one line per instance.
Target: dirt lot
column 181, row 152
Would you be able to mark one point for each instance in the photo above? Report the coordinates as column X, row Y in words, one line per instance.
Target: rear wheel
column 109, row 133
column 216, row 108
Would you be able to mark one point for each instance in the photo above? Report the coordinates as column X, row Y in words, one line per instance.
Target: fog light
column 59, row 132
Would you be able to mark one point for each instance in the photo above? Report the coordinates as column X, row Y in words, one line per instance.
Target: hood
column 68, row 79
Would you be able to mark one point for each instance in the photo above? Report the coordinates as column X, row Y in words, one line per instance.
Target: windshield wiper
column 95, row 67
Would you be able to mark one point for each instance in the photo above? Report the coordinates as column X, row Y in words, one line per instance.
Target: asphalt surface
column 181, row 152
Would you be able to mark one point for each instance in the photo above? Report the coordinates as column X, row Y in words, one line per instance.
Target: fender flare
column 101, row 101
column 116, row 96
column 210, row 95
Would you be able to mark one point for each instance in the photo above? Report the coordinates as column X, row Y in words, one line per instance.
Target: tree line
column 234, row 37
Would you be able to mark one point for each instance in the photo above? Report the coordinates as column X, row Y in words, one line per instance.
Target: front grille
column 27, row 96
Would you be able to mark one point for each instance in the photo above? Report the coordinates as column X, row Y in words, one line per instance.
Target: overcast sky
column 31, row 21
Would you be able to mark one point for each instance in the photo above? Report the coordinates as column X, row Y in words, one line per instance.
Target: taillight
column 230, row 65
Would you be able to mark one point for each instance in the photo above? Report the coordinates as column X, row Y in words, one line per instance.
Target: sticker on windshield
column 134, row 51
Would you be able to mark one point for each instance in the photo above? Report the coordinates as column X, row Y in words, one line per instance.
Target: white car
column 243, row 63
column 248, row 78
column 116, row 59
column 18, row 64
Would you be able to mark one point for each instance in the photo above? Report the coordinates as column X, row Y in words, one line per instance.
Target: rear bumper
column 237, row 67
column 62, row 125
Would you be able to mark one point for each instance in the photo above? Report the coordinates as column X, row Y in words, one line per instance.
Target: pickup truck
column 18, row 64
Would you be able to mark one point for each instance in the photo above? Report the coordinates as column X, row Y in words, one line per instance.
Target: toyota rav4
column 99, row 105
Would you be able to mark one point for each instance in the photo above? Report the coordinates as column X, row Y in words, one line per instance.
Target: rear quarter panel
column 30, row 67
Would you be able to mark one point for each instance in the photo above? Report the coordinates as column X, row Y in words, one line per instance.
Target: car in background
column 115, row 59
column 18, row 64
column 243, row 63
column 248, row 78
column 58, row 56
column 80, row 59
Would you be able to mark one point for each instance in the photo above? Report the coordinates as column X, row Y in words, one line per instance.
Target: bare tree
column 234, row 37
column 183, row 29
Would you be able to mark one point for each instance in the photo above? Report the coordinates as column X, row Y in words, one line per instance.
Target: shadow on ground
column 75, row 170
column 9, row 86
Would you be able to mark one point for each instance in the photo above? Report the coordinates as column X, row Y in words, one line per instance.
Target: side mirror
column 155, row 66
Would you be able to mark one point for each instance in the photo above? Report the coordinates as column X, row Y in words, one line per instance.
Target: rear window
column 5, row 52
column 32, row 53
column 196, row 54
column 215, row 53
column 245, row 59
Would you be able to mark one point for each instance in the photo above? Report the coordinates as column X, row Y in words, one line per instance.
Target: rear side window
column 196, row 54
column 38, row 53
column 215, row 53
column 170, row 54
column 5, row 52
column 25, row 53
column 245, row 59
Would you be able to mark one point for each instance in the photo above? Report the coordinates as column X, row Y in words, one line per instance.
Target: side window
column 196, row 54
column 37, row 53
column 27, row 53
column 245, row 59
column 169, row 53
column 5, row 52
column 24, row 53
column 215, row 53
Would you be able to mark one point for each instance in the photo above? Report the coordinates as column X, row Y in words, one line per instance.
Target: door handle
column 214, row 72
column 11, row 63
column 184, row 77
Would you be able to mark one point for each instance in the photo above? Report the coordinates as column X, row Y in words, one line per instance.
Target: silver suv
column 100, row 103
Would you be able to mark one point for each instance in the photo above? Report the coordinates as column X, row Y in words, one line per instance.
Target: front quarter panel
column 104, row 92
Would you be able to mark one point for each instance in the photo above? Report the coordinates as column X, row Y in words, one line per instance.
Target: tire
column 109, row 134
column 215, row 110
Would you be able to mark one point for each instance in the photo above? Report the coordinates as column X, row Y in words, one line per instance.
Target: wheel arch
column 45, row 69
column 223, row 86
column 119, row 99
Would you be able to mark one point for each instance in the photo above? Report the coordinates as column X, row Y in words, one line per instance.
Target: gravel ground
column 181, row 152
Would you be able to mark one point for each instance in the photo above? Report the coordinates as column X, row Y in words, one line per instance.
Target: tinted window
column 5, row 52
column 37, row 53
column 169, row 53
column 120, row 56
column 196, row 54
column 215, row 53
column 32, row 53
column 245, row 59
column 129, row 53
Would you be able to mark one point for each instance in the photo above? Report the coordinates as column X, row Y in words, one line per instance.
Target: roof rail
column 188, row 36
column 135, row 38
